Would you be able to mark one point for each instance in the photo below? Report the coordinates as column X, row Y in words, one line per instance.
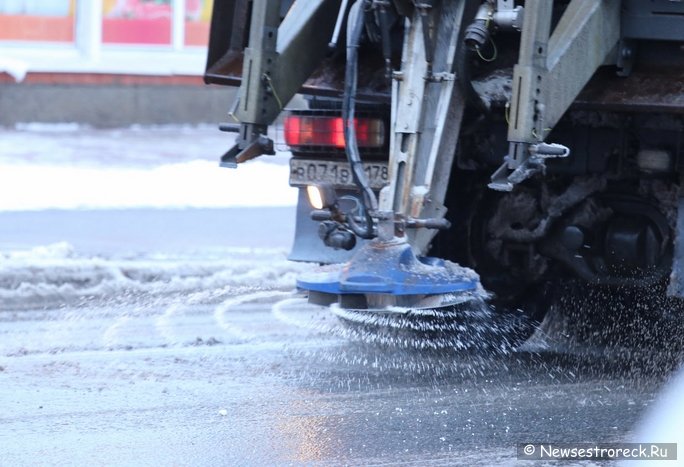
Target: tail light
column 329, row 131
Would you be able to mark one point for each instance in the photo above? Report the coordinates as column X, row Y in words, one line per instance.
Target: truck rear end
column 467, row 155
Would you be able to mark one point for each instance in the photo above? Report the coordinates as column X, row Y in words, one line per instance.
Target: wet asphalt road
column 255, row 376
column 264, row 379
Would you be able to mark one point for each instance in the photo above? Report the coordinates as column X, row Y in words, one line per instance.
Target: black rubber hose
column 386, row 41
column 370, row 202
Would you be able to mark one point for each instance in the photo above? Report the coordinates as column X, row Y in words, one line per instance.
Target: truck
column 463, row 160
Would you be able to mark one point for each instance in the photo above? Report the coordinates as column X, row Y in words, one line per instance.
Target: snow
column 67, row 166
column 151, row 61
column 16, row 68
column 38, row 127
column 189, row 184
column 105, row 215
column 57, row 274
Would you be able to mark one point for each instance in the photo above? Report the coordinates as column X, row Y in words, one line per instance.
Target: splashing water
column 472, row 325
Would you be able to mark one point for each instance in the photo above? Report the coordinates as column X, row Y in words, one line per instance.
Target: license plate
column 307, row 172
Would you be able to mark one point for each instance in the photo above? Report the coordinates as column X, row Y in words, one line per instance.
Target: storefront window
column 30, row 20
column 137, row 22
column 128, row 22
column 197, row 19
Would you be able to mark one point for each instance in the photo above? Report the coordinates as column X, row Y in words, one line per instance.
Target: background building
column 106, row 62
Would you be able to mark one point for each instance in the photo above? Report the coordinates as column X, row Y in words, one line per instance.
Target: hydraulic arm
column 282, row 54
column 550, row 73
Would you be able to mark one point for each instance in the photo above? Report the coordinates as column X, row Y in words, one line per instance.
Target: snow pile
column 39, row 127
column 70, row 166
column 17, row 69
column 56, row 275
column 78, row 145
column 199, row 184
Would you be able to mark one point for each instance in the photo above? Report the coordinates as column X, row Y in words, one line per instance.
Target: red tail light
column 329, row 131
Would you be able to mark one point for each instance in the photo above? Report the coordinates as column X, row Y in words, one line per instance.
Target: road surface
column 184, row 353
column 147, row 317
